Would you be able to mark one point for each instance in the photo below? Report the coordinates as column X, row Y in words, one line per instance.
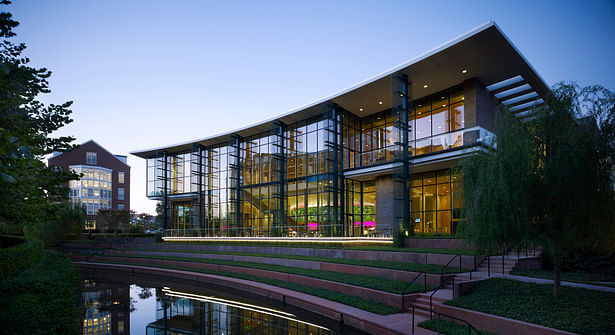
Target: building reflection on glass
column 106, row 308
column 185, row 313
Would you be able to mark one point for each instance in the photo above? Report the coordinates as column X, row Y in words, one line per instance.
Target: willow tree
column 549, row 178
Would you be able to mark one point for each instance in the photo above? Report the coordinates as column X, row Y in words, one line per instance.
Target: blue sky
column 144, row 74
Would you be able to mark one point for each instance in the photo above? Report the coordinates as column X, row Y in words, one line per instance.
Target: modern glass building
column 362, row 162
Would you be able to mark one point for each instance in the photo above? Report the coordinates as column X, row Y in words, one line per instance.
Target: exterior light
column 425, row 86
column 444, row 105
column 380, row 102
column 464, row 71
column 360, row 109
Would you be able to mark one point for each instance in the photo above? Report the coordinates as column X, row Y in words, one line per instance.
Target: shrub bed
column 42, row 299
column 16, row 259
column 576, row 310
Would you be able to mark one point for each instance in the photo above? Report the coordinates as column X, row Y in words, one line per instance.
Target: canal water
column 116, row 303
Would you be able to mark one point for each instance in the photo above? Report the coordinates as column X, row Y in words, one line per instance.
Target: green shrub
column 583, row 261
column 136, row 230
column 398, row 239
column 158, row 237
column 7, row 241
column 42, row 299
column 16, row 259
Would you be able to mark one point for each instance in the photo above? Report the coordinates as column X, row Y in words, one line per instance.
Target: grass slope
column 577, row 310
column 364, row 304
column 376, row 283
column 402, row 266
column 575, row 277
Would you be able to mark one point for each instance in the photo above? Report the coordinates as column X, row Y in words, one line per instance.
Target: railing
column 404, row 291
column 301, row 231
column 440, row 314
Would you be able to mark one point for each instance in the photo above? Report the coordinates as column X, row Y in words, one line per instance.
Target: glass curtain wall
column 435, row 201
column 436, row 122
column 304, row 199
column 93, row 190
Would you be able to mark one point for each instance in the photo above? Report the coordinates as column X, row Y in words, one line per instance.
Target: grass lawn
column 364, row 304
column 576, row 310
column 575, row 277
column 448, row 327
column 403, row 266
column 376, row 283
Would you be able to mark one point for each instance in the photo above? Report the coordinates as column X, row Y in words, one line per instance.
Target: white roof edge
column 369, row 80
column 520, row 54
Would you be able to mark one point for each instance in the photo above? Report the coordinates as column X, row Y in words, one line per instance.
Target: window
column 120, row 177
column 90, row 224
column 120, row 207
column 90, row 158
column 120, row 194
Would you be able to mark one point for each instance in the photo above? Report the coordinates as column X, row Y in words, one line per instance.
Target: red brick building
column 105, row 182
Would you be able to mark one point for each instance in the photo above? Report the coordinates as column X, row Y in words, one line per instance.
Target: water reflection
column 135, row 306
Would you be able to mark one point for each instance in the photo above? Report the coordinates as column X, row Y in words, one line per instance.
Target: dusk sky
column 145, row 74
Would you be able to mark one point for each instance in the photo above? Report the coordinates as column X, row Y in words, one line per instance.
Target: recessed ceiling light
column 442, row 97
column 380, row 102
column 464, row 71
column 360, row 109
column 420, row 105
column 425, row 86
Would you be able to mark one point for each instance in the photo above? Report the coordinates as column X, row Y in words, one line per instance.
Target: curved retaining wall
column 391, row 256
column 387, row 298
column 404, row 276
column 353, row 317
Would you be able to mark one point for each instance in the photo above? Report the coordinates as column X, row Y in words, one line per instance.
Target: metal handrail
column 403, row 292
column 442, row 282
column 470, row 327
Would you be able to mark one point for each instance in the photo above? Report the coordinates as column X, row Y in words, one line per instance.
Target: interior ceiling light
column 425, row 86
column 380, row 102
column 464, row 71
column 360, row 109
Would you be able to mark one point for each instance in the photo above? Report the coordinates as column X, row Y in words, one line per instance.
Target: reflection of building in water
column 184, row 313
column 106, row 308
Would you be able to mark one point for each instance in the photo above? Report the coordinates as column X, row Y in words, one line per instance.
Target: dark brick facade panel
column 479, row 105
column 103, row 159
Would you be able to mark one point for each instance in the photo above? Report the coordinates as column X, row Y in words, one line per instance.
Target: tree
column 64, row 220
column 29, row 188
column 549, row 179
column 114, row 219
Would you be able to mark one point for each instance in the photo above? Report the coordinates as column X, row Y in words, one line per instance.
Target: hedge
column 42, row 299
column 16, row 259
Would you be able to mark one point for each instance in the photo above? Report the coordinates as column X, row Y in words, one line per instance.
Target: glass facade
column 436, row 200
column 93, row 190
column 289, row 181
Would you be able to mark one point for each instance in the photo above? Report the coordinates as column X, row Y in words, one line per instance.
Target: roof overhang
column 485, row 53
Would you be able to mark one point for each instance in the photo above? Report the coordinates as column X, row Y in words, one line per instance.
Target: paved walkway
column 482, row 275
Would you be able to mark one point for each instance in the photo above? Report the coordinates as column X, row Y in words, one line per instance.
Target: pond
column 123, row 304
